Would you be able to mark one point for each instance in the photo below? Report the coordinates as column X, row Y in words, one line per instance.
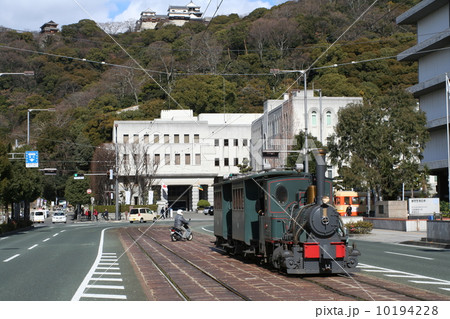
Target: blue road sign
column 32, row 159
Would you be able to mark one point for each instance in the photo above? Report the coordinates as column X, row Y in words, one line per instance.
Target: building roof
column 419, row 11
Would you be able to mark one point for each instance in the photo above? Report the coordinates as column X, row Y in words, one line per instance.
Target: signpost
column 31, row 159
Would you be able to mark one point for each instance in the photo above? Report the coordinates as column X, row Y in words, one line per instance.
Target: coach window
column 281, row 194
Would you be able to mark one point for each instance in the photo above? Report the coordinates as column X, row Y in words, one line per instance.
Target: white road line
column 11, row 258
column 108, row 268
column 55, row 234
column 120, row 297
column 105, row 279
column 3, row 238
column 406, row 255
column 82, row 287
column 107, row 273
column 45, row 239
column 396, row 273
column 32, row 247
column 105, row 287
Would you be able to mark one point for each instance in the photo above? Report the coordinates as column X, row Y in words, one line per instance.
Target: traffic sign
column 31, row 159
column 78, row 176
column 89, row 191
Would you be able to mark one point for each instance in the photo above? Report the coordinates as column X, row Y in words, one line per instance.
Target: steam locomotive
column 284, row 218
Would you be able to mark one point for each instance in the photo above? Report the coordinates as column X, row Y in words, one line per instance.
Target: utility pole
column 116, row 187
column 28, row 121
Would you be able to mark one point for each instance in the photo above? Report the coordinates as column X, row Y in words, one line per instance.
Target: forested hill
column 87, row 76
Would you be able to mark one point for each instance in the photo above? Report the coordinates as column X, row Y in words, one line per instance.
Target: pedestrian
column 105, row 214
column 163, row 213
column 349, row 210
column 96, row 214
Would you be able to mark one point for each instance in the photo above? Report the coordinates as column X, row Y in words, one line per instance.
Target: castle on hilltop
column 177, row 15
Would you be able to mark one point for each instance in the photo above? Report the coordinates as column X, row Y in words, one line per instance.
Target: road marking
column 55, row 234
column 32, row 247
column 3, row 238
column 11, row 258
column 102, row 296
column 396, row 273
column 102, row 274
column 105, row 287
column 105, row 279
column 207, row 230
column 45, row 239
column 406, row 255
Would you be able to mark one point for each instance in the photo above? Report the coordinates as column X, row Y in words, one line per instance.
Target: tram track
column 164, row 258
column 221, row 277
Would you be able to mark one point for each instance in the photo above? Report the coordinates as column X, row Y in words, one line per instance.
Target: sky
column 28, row 15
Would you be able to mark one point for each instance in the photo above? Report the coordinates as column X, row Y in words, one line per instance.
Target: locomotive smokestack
column 321, row 167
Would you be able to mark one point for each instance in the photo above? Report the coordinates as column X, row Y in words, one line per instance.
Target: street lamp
column 305, row 144
column 27, row 73
column 28, row 121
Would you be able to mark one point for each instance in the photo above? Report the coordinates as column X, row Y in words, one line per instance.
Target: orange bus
column 357, row 201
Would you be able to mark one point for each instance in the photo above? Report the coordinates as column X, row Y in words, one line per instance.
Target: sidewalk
column 399, row 237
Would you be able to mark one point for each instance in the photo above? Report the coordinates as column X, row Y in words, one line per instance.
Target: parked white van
column 37, row 216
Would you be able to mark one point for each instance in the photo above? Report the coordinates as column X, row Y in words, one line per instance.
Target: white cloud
column 31, row 15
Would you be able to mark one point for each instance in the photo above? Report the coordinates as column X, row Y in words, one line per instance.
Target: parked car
column 142, row 215
column 209, row 210
column 59, row 217
column 37, row 216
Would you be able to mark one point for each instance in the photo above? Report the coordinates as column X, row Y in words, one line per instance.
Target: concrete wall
column 398, row 224
column 438, row 231
column 391, row 209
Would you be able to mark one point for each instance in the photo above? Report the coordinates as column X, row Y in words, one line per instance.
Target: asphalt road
column 50, row 262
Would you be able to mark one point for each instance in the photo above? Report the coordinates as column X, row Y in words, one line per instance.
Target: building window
column 187, row 159
column 236, row 161
column 176, row 138
column 328, row 118
column 157, row 159
column 216, row 142
column 126, row 159
column 166, row 138
column 244, row 142
column 186, row 138
column 156, row 138
column 226, row 161
column 196, row 138
column 198, row 159
column 177, row 159
column 225, row 142
column 167, row 159
column 126, row 138
column 216, row 162
column 314, row 118
column 236, row 142
column 146, row 138
column 135, row 138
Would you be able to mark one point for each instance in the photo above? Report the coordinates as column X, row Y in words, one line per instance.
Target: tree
column 378, row 143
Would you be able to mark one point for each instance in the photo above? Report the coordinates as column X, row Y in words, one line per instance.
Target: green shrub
column 202, row 203
column 360, row 227
column 445, row 211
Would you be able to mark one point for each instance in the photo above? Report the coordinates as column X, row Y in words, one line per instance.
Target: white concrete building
column 283, row 119
column 180, row 153
column 432, row 18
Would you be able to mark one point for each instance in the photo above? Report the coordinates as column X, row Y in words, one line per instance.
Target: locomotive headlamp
column 325, row 199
